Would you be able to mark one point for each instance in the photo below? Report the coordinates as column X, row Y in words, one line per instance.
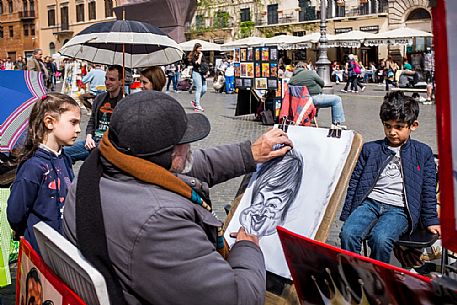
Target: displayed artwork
column 243, row 56
column 237, row 70
column 273, row 54
column 247, row 82
column 292, row 191
column 237, row 55
column 243, row 70
column 250, row 69
column 238, row 82
column 257, row 54
column 258, row 70
column 279, row 90
column 265, row 69
column 324, row 274
column 265, row 54
column 272, row 84
column 37, row 283
column 249, row 55
column 261, row 83
column 273, row 69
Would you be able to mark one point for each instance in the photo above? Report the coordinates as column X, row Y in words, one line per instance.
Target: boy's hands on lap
column 436, row 229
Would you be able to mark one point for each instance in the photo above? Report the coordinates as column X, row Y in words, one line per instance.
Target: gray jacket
column 163, row 246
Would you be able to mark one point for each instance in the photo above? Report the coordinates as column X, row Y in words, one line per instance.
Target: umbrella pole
column 123, row 58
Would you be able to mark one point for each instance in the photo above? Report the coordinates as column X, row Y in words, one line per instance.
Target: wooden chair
column 69, row 264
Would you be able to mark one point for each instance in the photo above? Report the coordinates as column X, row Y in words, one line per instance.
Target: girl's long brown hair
column 53, row 104
column 194, row 51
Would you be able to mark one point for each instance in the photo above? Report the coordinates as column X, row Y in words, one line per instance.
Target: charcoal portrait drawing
column 274, row 190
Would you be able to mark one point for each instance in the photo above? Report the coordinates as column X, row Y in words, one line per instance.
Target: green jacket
column 307, row 78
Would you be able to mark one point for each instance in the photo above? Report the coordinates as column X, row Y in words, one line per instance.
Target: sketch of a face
column 275, row 189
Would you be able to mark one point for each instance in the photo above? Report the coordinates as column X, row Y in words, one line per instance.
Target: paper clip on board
column 333, row 132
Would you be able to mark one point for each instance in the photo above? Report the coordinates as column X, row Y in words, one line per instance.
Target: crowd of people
column 142, row 192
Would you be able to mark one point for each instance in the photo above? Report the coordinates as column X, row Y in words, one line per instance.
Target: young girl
column 44, row 173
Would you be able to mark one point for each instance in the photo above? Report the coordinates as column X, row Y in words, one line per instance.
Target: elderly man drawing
column 140, row 211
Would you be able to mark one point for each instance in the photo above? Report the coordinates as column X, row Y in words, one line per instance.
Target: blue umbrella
column 19, row 91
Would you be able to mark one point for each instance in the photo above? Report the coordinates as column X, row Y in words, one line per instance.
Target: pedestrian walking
column 200, row 71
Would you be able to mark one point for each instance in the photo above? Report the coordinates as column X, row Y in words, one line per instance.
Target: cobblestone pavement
column 362, row 115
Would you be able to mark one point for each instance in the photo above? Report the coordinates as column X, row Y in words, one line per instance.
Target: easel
column 287, row 294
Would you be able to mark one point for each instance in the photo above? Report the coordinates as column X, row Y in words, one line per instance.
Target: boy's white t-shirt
column 389, row 187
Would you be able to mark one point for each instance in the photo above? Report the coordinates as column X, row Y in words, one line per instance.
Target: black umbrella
column 128, row 43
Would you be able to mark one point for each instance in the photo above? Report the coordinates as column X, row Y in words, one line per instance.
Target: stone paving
column 361, row 111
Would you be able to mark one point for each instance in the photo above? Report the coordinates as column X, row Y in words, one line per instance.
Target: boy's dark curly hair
column 398, row 107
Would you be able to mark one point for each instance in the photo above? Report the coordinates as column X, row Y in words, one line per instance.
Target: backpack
column 356, row 67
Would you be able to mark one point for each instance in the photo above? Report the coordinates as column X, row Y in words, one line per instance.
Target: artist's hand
column 242, row 235
column 90, row 143
column 435, row 229
column 262, row 149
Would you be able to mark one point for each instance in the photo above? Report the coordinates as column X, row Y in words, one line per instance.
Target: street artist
column 140, row 211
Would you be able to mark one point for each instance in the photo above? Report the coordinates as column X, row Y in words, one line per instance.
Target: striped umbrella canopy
column 132, row 44
column 19, row 90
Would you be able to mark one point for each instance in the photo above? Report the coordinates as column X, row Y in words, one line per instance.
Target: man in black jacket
column 102, row 108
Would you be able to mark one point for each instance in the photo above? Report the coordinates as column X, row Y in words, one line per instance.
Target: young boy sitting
column 393, row 185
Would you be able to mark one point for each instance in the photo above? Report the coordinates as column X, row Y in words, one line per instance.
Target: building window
column 64, row 18
column 419, row 14
column 374, row 7
column 383, row 5
column 51, row 17
column 364, row 9
column 24, row 5
column 10, row 28
column 221, row 19
column 340, row 9
column 32, row 5
column 199, row 21
column 245, row 14
column 10, row 6
column 52, row 48
column 108, row 8
column 1, row 7
column 80, row 12
column 26, row 30
column 307, row 12
column 1, row 32
column 32, row 30
column 299, row 34
column 272, row 10
column 92, row 10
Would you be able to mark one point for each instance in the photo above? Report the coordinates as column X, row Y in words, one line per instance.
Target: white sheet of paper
column 323, row 161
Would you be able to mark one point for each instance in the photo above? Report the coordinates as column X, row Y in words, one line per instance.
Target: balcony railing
column 62, row 29
column 27, row 15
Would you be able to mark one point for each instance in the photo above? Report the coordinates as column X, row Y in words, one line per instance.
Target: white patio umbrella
column 206, row 46
column 283, row 41
column 400, row 36
column 244, row 42
column 352, row 39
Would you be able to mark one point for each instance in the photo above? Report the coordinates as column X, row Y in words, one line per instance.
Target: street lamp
column 323, row 64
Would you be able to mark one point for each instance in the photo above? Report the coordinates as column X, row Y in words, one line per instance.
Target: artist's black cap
column 148, row 124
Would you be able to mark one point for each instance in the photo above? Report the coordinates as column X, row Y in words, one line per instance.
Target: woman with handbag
column 200, row 72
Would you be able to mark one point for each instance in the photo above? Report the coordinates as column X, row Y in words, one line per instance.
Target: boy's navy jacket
column 38, row 193
column 419, row 179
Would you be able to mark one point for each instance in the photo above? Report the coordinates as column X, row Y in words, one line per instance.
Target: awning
column 400, row 36
column 206, row 46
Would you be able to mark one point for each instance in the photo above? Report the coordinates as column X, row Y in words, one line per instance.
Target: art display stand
column 287, row 295
column 256, row 69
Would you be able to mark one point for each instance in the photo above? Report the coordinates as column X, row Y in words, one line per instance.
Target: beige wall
column 46, row 33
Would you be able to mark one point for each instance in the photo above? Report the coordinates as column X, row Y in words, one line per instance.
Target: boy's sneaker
column 427, row 102
column 343, row 90
column 363, row 88
column 193, row 104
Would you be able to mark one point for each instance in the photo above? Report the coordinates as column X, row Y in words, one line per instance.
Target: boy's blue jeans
column 381, row 224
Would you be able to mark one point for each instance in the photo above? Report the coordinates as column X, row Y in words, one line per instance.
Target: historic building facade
column 219, row 21
column 60, row 20
column 18, row 30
